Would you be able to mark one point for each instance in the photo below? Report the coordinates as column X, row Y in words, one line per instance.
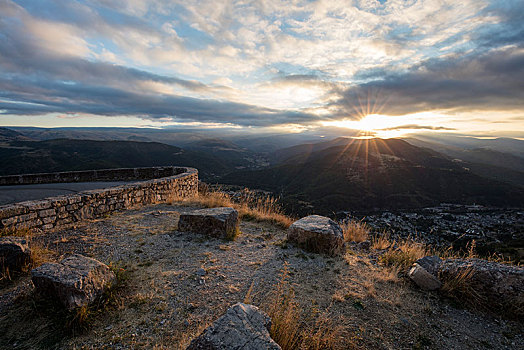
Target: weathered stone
column 14, row 253
column 243, row 326
column 424, row 272
column 499, row 284
column 75, row 282
column 217, row 222
column 317, row 234
column 430, row 263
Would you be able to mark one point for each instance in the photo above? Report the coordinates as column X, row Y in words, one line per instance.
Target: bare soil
column 178, row 283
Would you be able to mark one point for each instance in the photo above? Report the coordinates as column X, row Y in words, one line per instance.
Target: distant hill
column 7, row 135
column 368, row 174
column 69, row 155
column 487, row 162
column 237, row 157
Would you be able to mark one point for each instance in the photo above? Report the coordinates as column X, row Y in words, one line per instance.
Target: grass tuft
column 355, row 231
column 292, row 329
column 250, row 206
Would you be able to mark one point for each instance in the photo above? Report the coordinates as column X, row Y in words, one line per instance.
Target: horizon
column 381, row 69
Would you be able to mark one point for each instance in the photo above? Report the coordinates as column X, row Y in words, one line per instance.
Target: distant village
column 453, row 223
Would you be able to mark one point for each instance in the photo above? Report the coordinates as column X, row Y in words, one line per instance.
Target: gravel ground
column 179, row 282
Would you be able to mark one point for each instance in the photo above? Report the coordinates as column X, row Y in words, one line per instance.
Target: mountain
column 500, row 144
column 487, row 162
column 374, row 174
column 281, row 155
column 237, row 157
column 69, row 155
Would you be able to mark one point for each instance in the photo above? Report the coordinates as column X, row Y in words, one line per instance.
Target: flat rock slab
column 424, row 272
column 14, row 253
column 499, row 284
column 317, row 234
column 216, row 222
column 75, row 282
column 243, row 326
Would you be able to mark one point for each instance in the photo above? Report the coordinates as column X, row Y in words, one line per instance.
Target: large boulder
column 425, row 272
column 75, row 282
column 15, row 254
column 492, row 284
column 317, row 234
column 216, row 222
column 243, row 326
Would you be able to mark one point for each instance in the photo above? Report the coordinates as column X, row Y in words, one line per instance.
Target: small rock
column 317, row 234
column 75, row 282
column 423, row 279
column 14, row 253
column 215, row 222
column 430, row 263
column 425, row 272
column 243, row 326
column 201, row 272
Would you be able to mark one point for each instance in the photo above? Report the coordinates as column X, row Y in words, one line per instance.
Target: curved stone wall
column 165, row 185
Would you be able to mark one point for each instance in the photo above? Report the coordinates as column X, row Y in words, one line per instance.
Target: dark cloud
column 493, row 80
column 26, row 97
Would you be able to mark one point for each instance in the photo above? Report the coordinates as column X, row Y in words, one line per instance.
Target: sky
column 382, row 67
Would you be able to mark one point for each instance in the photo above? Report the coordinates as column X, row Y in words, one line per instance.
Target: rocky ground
column 177, row 283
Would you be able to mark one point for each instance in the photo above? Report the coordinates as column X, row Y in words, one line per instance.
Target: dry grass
column 404, row 253
column 381, row 241
column 401, row 253
column 355, row 231
column 17, row 232
column 459, row 287
column 39, row 253
column 289, row 327
column 249, row 205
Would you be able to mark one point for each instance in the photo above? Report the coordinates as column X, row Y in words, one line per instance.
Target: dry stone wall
column 166, row 184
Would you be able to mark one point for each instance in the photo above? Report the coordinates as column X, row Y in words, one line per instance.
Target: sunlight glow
column 385, row 126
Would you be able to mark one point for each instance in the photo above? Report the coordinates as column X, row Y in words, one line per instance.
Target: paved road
column 19, row 193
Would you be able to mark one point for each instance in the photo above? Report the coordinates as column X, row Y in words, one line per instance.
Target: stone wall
column 63, row 211
column 123, row 174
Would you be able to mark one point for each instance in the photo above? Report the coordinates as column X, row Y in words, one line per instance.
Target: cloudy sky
column 387, row 67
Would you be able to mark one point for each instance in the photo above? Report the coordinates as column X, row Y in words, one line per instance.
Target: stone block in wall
column 46, row 213
column 8, row 211
column 27, row 217
column 49, row 219
column 36, row 205
column 10, row 221
column 74, row 199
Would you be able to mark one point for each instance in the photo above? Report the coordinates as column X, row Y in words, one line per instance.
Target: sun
column 387, row 126
column 371, row 125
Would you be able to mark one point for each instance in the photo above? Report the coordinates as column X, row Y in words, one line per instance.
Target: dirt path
column 178, row 283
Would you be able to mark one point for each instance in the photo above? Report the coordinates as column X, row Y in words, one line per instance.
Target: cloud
column 416, row 127
column 260, row 63
column 489, row 81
